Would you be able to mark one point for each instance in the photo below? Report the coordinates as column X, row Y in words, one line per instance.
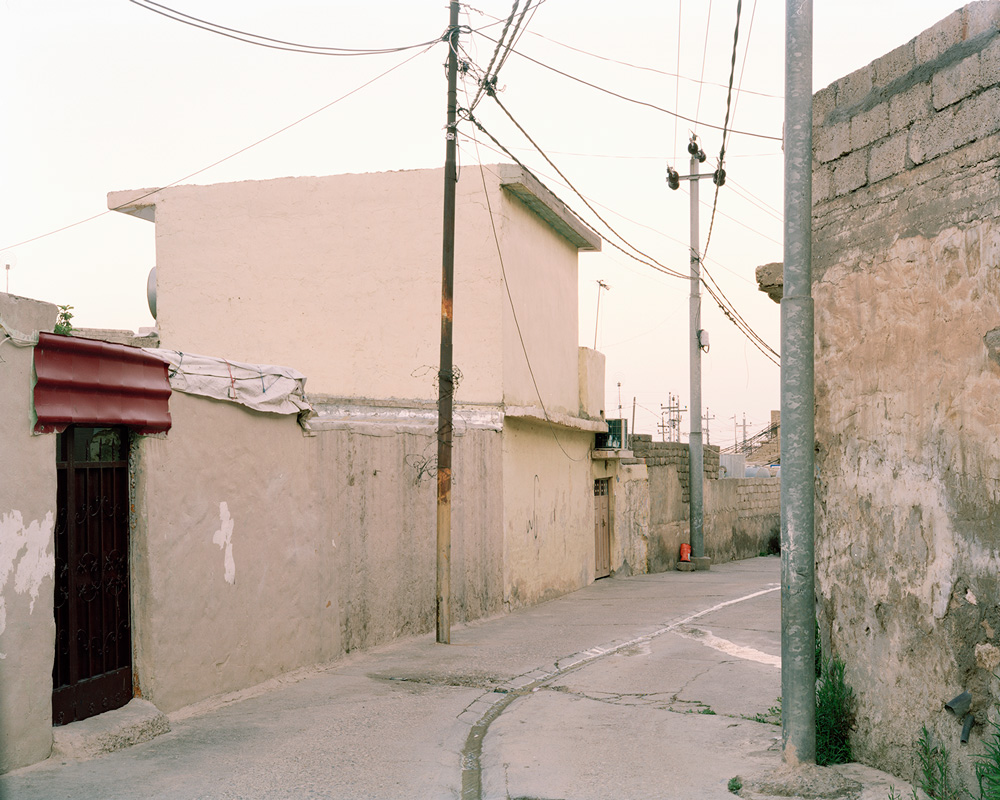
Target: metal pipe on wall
column 798, row 565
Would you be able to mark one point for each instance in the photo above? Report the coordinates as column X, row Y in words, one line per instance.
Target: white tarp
column 262, row 387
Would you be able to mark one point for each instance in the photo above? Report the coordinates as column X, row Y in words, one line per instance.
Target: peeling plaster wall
column 290, row 550
column 548, row 512
column 907, row 288
column 27, row 560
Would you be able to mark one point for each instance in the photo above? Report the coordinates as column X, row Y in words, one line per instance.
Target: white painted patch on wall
column 224, row 538
column 24, row 552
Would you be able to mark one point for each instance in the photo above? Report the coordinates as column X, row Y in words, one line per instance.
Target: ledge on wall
column 538, row 414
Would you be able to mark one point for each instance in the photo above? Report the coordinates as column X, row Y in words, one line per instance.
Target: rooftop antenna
column 600, row 285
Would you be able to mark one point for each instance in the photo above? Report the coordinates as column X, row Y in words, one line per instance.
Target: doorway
column 92, row 672
column 602, row 528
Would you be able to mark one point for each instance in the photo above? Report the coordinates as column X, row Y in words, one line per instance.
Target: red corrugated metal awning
column 87, row 382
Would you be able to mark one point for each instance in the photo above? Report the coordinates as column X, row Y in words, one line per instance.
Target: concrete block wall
column 906, row 282
column 936, row 93
column 740, row 514
column 677, row 455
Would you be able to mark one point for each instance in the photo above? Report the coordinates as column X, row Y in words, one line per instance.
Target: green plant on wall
column 63, row 323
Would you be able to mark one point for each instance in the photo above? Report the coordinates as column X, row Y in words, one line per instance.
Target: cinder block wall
column 906, row 280
column 740, row 514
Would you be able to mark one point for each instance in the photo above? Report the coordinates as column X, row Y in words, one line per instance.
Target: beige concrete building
column 260, row 542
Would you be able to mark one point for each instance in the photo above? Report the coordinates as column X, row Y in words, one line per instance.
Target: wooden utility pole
column 446, row 374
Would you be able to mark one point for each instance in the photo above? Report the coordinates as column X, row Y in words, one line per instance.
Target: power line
column 630, row 99
column 230, row 156
column 724, row 304
column 629, row 64
column 496, row 53
column 267, row 41
column 704, row 58
column 651, row 261
column 720, row 172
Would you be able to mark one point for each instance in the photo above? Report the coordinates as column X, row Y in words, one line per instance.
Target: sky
column 108, row 95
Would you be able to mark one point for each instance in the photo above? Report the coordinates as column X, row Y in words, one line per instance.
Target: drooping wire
column 267, row 41
column 731, row 314
column 722, row 150
column 226, row 158
column 650, row 260
column 610, row 60
column 677, row 80
column 485, row 81
column 630, row 99
column 704, row 58
column 743, row 66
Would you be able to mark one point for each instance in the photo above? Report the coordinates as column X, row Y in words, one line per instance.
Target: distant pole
column 798, row 471
column 600, row 285
column 633, row 415
column 696, row 459
column 446, row 374
column 7, row 268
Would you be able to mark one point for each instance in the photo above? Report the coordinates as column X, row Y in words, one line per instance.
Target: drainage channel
column 472, row 775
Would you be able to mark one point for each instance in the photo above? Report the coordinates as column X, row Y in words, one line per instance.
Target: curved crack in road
column 472, row 776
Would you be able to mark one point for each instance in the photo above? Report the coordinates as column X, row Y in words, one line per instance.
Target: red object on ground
column 89, row 382
column 685, row 552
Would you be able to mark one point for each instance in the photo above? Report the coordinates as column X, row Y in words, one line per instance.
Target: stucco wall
column 290, row 550
column 341, row 277
column 907, row 285
column 548, row 512
column 27, row 559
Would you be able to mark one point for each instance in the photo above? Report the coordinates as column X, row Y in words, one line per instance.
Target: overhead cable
column 231, row 155
column 267, row 41
column 631, row 99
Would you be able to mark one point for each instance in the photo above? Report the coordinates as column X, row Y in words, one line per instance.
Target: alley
column 650, row 686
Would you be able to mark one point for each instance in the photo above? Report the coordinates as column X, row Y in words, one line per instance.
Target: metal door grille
column 602, row 528
column 92, row 672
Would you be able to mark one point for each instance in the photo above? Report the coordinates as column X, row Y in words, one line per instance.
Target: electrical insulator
column 673, row 178
column 700, row 155
column 693, row 146
column 719, row 177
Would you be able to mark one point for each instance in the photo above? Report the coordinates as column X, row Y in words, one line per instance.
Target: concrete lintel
column 384, row 420
column 526, row 188
column 537, row 414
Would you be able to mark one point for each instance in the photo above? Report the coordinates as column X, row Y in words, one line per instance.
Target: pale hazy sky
column 106, row 95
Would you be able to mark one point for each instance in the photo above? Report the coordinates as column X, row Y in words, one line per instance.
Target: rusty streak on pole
column 446, row 376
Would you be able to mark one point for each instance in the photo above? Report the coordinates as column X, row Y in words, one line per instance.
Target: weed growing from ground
column 935, row 770
column 735, row 784
column 834, row 716
column 988, row 766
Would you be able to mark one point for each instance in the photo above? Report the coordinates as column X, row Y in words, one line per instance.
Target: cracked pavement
column 603, row 693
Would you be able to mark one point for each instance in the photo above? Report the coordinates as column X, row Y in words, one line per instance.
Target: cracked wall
column 906, row 279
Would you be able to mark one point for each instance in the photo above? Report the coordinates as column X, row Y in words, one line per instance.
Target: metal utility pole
column 798, row 560
column 600, row 285
column 446, row 374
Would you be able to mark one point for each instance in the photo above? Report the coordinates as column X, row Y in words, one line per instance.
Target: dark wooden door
column 92, row 672
column 602, row 528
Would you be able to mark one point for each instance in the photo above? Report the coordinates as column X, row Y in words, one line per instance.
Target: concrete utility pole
column 798, row 560
column 446, row 374
column 696, row 459
column 707, row 418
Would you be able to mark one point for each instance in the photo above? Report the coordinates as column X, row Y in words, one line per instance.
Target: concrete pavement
column 655, row 686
